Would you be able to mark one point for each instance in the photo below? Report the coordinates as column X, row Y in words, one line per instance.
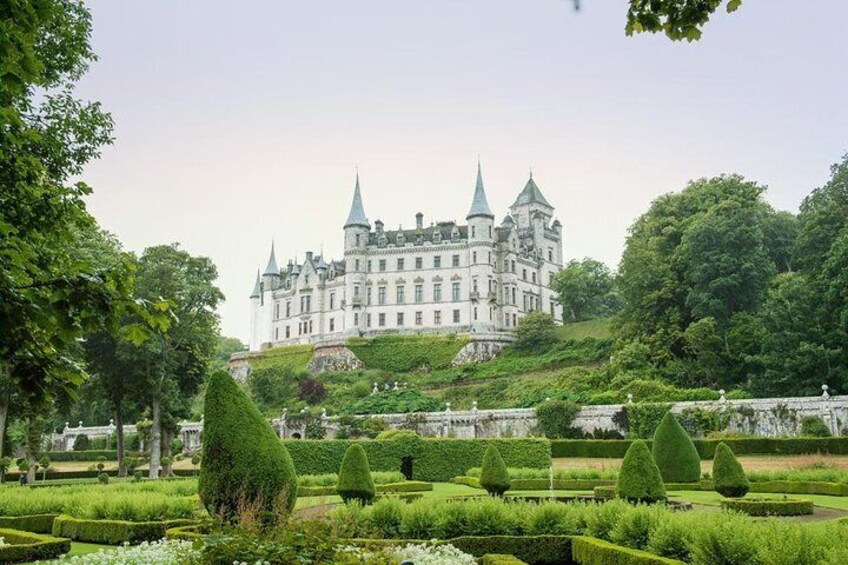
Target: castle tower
column 356, row 227
column 481, row 256
column 356, row 230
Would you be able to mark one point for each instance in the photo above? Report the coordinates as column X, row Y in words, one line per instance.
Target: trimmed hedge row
column 801, row 487
column 37, row 523
column 593, row 551
column 769, row 506
column 27, row 546
column 616, row 448
column 538, row 550
column 500, row 559
column 113, row 532
column 406, row 486
column 434, row 460
column 89, row 455
column 194, row 532
column 605, row 492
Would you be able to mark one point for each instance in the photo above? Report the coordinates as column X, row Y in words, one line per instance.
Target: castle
column 451, row 278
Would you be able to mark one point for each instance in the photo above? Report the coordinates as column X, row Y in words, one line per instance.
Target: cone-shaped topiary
column 639, row 479
column 355, row 482
column 674, row 452
column 493, row 476
column 245, row 466
column 728, row 477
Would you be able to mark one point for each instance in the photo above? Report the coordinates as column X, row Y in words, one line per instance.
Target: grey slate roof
column 255, row 293
column 357, row 212
column 531, row 194
column 272, row 268
column 320, row 263
column 479, row 206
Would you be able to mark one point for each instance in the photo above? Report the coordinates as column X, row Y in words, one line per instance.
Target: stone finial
column 111, row 423
column 303, row 410
column 396, row 386
column 447, row 406
column 474, row 406
column 722, row 398
column 80, row 424
column 285, row 411
column 547, row 399
column 67, row 425
column 825, row 395
column 629, row 398
column 376, row 389
column 323, row 413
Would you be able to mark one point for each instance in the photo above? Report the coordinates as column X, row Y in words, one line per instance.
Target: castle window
column 552, row 310
column 489, row 260
column 288, row 332
column 437, row 318
column 437, row 292
column 456, row 316
column 381, row 320
column 276, row 310
column 513, row 266
column 455, row 290
column 332, row 301
column 524, row 274
column 506, row 265
column 474, row 284
column 356, row 319
column 437, row 262
column 357, row 240
column 356, row 263
column 513, row 296
column 400, row 294
column 419, row 293
column 473, row 258
column 368, row 296
column 276, row 334
column 332, row 324
column 400, row 264
column 506, row 320
column 455, row 260
column 473, row 231
column 550, row 254
column 534, row 276
column 381, row 295
column 356, row 291
column 382, row 265
column 305, row 303
column 368, row 320
column 310, row 326
column 475, row 313
column 490, row 232
column 400, row 318
column 419, row 318
column 306, row 280
column 419, row 262
column 368, row 265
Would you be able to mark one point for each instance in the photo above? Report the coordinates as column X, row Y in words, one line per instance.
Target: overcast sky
column 239, row 122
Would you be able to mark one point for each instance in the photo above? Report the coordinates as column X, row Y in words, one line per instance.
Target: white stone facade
column 472, row 278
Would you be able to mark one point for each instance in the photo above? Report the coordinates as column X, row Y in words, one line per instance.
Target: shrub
column 535, row 332
column 770, row 506
column 634, row 527
column 706, row 447
column 403, row 353
column 387, row 516
column 494, row 477
column 112, row 532
column 38, row 523
column 395, row 402
column 555, row 418
column 311, row 390
column 604, row 492
column 25, row 546
column 671, row 538
column 813, row 426
column 721, row 539
column 103, row 478
column 243, row 460
column 82, row 443
column 728, row 477
column 355, row 482
column 674, row 453
column 639, row 479
column 590, row 551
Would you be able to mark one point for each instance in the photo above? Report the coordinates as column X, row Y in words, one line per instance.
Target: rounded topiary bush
column 728, row 477
column 355, row 481
column 675, row 453
column 245, row 466
column 639, row 479
column 494, row 476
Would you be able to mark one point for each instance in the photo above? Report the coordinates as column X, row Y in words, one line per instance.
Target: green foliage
column 112, row 532
column 813, row 426
column 94, row 455
column 536, row 332
column 500, row 559
column 769, row 506
column 243, row 460
column 395, row 402
column 591, row 551
column 24, row 547
column 355, row 482
column 639, row 479
column 82, row 443
column 586, row 290
column 494, row 476
column 103, row 478
column 433, row 459
column 677, row 19
column 643, row 418
column 598, row 328
column 674, row 452
column 38, row 523
column 728, row 475
column 555, row 417
column 616, row 449
column 400, row 353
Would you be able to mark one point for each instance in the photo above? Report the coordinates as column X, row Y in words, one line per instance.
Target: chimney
column 378, row 226
column 419, row 221
column 309, row 256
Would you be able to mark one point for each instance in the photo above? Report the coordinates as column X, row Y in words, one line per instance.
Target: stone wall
column 482, row 347
column 333, row 356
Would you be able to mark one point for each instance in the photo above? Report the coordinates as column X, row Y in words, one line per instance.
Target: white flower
column 164, row 552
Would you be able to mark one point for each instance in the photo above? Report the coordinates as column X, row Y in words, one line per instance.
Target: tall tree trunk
column 4, row 413
column 167, row 451
column 5, row 393
column 119, row 439
column 155, row 438
column 31, row 450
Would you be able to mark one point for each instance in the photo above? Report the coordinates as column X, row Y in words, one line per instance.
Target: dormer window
column 455, row 234
column 401, row 239
column 437, row 236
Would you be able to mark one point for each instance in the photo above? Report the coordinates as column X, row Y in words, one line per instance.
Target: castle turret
column 356, row 227
column 271, row 276
column 481, row 256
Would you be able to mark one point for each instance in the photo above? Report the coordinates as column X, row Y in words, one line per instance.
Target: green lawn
column 713, row 498
column 599, row 328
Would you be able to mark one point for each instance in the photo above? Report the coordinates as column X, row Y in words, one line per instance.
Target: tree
column 678, row 19
column 173, row 363
column 244, row 462
column 728, row 477
column 639, row 478
column 494, row 476
column 675, row 453
column 535, row 332
column 586, row 290
column 355, row 481
column 555, row 418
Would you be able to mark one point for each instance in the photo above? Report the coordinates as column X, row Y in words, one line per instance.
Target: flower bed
column 163, row 551
column 18, row 546
column 769, row 506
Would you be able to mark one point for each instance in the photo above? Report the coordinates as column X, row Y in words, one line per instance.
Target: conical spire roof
column 272, row 268
column 531, row 194
column 256, row 290
column 479, row 206
column 357, row 211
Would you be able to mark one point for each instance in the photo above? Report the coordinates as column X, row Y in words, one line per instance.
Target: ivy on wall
column 402, row 353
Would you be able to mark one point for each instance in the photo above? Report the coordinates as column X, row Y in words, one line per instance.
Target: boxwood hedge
column 500, row 559
column 616, row 448
column 113, row 532
column 37, row 523
column 593, row 551
column 769, row 506
column 27, row 546
column 434, row 460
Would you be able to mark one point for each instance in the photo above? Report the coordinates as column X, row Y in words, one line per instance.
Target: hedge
column 434, row 459
column 593, row 551
column 537, row 550
column 27, row 546
column 604, row 492
column 801, row 487
column 542, row 484
column 194, row 532
column 769, row 506
column 405, row 486
column 500, row 559
column 91, row 455
column 37, row 523
column 616, row 448
column 113, row 532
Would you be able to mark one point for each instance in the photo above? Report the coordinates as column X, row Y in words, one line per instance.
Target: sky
column 241, row 122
